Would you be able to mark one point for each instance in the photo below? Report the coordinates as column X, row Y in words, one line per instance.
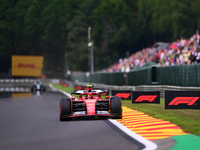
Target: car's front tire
column 116, row 107
column 33, row 88
column 65, row 108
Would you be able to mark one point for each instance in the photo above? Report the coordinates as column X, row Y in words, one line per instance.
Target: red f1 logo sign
column 149, row 98
column 146, row 97
column 123, row 95
column 184, row 100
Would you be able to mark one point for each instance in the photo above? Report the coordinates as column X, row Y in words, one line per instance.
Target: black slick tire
column 116, row 107
column 65, row 108
column 42, row 88
column 33, row 88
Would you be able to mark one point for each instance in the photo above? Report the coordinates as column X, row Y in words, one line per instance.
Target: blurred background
column 97, row 35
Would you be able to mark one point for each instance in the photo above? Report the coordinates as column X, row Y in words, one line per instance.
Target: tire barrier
column 14, row 89
column 63, row 83
column 18, row 80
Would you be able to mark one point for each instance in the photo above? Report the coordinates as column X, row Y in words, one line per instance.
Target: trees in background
column 58, row 29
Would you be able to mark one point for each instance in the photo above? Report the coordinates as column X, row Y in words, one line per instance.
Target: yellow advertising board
column 27, row 65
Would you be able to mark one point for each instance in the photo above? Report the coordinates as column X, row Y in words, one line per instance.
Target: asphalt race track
column 32, row 122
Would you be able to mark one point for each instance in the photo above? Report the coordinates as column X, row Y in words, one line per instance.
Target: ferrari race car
column 90, row 104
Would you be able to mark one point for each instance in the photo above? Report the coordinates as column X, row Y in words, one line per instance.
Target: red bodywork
column 90, row 99
column 90, row 104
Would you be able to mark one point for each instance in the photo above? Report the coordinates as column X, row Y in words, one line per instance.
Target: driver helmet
column 87, row 96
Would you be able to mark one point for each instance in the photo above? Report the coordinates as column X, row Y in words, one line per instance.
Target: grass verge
column 66, row 89
column 186, row 119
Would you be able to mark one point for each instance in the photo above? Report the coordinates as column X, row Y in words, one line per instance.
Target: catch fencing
column 180, row 75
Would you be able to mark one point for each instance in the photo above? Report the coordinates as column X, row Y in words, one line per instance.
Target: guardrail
column 18, row 80
column 26, row 88
column 161, row 88
column 23, row 85
column 14, row 89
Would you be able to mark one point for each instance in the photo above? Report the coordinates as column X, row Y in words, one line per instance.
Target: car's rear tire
column 116, row 107
column 33, row 88
column 42, row 88
column 65, row 108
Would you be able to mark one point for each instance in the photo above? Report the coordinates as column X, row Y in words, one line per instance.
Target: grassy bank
column 186, row 119
column 66, row 89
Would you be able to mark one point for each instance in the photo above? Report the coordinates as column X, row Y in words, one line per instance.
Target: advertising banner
column 30, row 66
column 182, row 100
column 146, row 97
column 123, row 94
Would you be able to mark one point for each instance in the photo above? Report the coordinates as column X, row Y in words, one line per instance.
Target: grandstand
column 184, row 51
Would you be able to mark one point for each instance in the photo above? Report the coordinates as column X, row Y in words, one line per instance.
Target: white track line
column 69, row 95
column 148, row 144
column 51, row 86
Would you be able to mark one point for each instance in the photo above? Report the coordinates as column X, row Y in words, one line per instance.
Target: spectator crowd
column 180, row 52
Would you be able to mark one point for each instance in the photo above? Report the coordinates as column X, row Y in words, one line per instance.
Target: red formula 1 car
column 90, row 104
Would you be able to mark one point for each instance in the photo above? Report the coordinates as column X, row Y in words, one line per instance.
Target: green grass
column 66, row 89
column 186, row 119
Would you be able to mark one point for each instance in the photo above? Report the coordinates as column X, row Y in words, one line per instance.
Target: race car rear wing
column 78, row 92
